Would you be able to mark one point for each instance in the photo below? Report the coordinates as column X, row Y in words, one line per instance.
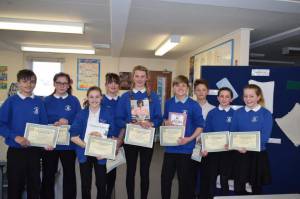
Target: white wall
column 241, row 39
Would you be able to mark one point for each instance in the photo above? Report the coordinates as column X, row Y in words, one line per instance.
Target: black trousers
column 23, row 172
column 110, row 183
column 131, row 153
column 49, row 168
column 182, row 164
column 86, row 170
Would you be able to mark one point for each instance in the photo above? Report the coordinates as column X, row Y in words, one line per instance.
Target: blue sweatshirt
column 111, row 105
column 194, row 120
column 58, row 108
column 16, row 112
column 79, row 126
column 259, row 120
column 124, row 108
column 218, row 120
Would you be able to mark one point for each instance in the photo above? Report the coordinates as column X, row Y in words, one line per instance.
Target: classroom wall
column 241, row 39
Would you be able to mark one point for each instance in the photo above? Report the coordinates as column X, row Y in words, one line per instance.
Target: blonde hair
column 181, row 79
column 258, row 92
column 144, row 69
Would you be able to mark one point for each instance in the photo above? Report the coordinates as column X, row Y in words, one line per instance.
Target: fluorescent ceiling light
column 58, row 50
column 41, row 26
column 167, row 45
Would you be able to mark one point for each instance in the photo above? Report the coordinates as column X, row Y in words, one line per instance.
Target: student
column 91, row 115
column 23, row 161
column 249, row 166
column 201, row 91
column 110, row 100
column 217, row 163
column 178, row 158
column 139, row 91
column 61, row 107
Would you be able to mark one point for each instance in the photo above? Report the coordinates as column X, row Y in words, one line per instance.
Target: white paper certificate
column 169, row 135
column 139, row 136
column 248, row 140
column 101, row 147
column 214, row 141
column 196, row 153
column 102, row 128
column 41, row 135
column 120, row 159
column 64, row 135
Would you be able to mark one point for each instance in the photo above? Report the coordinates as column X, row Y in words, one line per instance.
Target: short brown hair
column 181, row 79
column 201, row 81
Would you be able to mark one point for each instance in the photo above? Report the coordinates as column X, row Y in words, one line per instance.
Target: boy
column 23, row 161
column 178, row 158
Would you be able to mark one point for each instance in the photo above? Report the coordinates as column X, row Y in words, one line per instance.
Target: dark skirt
column 252, row 167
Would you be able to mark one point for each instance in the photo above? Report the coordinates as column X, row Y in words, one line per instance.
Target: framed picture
column 125, row 80
column 88, row 73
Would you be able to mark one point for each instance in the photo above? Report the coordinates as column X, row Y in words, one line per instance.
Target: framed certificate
column 196, row 153
column 41, row 135
column 177, row 119
column 248, row 140
column 120, row 159
column 97, row 146
column 139, row 136
column 63, row 135
column 214, row 141
column 169, row 135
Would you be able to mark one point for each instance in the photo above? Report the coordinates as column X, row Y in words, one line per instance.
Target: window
column 45, row 72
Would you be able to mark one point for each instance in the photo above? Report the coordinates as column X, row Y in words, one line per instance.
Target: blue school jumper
column 79, row 126
column 123, row 115
column 194, row 120
column 218, row 119
column 111, row 105
column 63, row 107
column 259, row 119
column 16, row 112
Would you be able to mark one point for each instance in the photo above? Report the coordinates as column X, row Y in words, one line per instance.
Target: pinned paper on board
column 226, row 83
column 290, row 124
column 268, row 92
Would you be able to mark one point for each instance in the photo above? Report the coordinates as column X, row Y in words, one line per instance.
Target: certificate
column 97, row 146
column 139, row 136
column 248, row 140
column 214, row 141
column 120, row 159
column 102, row 128
column 63, row 135
column 169, row 135
column 41, row 135
column 196, row 153
column 177, row 119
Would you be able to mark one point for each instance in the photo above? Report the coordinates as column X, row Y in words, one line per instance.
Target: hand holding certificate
column 97, row 146
column 170, row 135
column 250, row 141
column 214, row 141
column 41, row 135
column 139, row 136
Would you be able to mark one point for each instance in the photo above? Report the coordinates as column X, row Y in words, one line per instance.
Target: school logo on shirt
column 68, row 108
column 36, row 110
column 228, row 119
column 254, row 119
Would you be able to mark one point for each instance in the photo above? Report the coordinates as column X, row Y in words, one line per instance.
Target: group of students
column 62, row 108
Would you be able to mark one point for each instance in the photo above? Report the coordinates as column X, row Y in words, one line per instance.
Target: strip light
column 58, row 50
column 167, row 45
column 41, row 26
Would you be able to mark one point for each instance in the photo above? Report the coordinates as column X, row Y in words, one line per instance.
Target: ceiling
column 135, row 28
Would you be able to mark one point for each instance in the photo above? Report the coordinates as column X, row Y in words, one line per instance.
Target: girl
column 252, row 167
column 91, row 115
column 139, row 91
column 110, row 100
column 178, row 158
column 218, row 163
column 61, row 108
